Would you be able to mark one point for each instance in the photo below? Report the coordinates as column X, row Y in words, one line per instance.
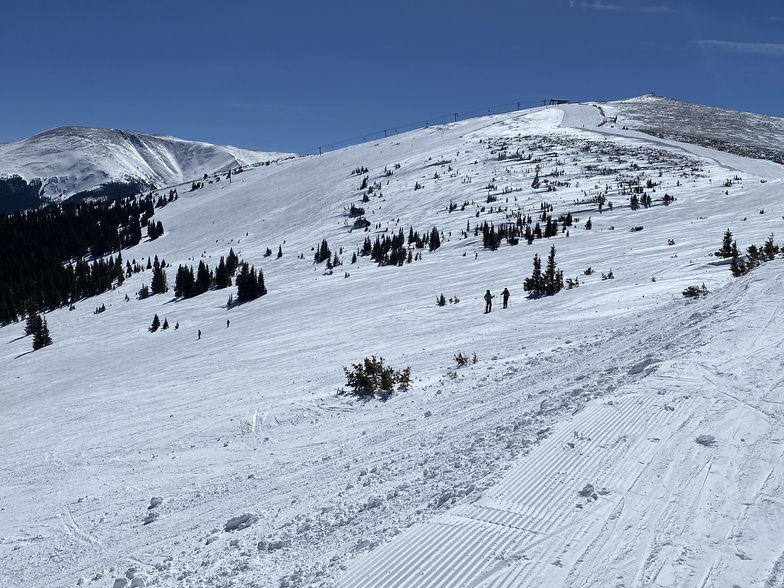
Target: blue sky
column 296, row 75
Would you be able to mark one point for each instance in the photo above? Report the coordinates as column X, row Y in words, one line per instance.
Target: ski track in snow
column 474, row 476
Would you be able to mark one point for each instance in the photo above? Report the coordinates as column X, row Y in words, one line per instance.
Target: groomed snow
column 567, row 455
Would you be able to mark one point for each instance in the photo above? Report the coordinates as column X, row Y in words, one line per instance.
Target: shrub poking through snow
column 462, row 359
column 372, row 377
column 695, row 291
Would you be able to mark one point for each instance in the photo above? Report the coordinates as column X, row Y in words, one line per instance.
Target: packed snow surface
column 615, row 434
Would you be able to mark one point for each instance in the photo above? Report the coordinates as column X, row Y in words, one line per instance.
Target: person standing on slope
column 505, row 296
column 488, row 302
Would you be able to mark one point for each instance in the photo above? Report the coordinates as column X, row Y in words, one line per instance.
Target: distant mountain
column 74, row 162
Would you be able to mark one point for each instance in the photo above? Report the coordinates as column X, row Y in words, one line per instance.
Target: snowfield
column 615, row 434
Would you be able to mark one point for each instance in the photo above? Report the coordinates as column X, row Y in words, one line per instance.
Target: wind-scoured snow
column 743, row 133
column 615, row 434
column 70, row 160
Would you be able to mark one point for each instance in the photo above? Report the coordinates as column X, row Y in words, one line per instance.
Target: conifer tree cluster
column 249, row 284
column 755, row 255
column 544, row 283
column 323, row 252
column 524, row 227
column 45, row 252
column 154, row 230
column 37, row 327
column 187, row 284
column 396, row 249
column 158, row 284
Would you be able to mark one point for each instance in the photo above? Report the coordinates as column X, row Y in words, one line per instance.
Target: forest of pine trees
column 53, row 256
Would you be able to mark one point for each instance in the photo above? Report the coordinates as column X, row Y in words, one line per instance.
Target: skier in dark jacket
column 488, row 301
column 505, row 296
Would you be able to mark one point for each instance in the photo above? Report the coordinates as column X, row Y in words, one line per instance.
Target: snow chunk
column 707, row 440
column 588, row 490
column 241, row 522
column 273, row 544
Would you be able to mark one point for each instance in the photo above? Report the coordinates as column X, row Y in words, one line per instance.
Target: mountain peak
column 72, row 160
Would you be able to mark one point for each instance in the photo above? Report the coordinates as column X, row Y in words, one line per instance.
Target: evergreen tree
column 726, row 245
column 41, row 337
column 435, row 239
column 33, row 320
column 203, row 278
column 322, row 252
column 769, row 250
column 222, row 278
column 553, row 279
column 156, row 323
column 280, row 251
column 158, row 284
column 535, row 283
column 232, row 261
column 737, row 265
column 184, row 282
column 535, row 183
column 261, row 289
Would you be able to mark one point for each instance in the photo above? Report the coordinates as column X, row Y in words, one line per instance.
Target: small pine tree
column 165, row 324
column 726, row 245
column 372, row 376
column 435, row 239
column 553, row 279
column 158, row 284
column 535, row 283
column 156, row 323
column 769, row 250
column 41, row 337
column 280, row 251
column 322, row 252
column 32, row 322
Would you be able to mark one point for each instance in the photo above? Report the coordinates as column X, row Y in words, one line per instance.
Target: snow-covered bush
column 371, row 377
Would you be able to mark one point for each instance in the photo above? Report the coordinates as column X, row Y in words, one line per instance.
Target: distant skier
column 505, row 296
column 227, row 323
column 488, row 301
column 199, row 334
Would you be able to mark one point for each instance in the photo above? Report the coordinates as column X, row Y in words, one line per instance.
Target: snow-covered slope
column 479, row 476
column 70, row 160
column 743, row 133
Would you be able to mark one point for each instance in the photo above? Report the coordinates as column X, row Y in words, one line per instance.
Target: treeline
column 54, row 255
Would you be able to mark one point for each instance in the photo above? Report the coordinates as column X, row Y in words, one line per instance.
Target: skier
column 488, row 301
column 505, row 296
column 199, row 333
column 227, row 323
